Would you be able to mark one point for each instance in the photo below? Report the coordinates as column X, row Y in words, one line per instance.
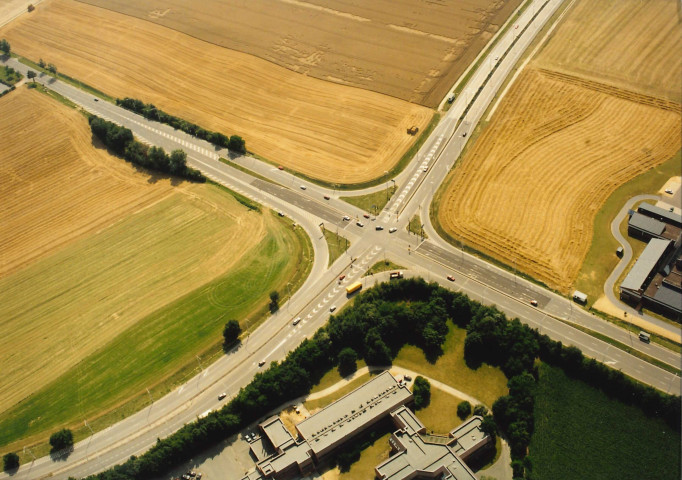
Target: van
column 644, row 337
column 451, row 98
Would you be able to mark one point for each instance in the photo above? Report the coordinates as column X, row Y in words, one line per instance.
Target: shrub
column 463, row 409
column 422, row 392
column 61, row 440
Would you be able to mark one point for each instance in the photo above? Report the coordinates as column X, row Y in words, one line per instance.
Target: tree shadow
column 232, row 347
column 61, row 455
column 12, row 471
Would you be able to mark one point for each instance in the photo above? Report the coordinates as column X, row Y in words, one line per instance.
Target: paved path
column 659, row 325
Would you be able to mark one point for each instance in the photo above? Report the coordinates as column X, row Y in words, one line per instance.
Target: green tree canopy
column 422, row 392
column 231, row 332
column 347, row 362
column 5, row 47
column 463, row 409
column 61, row 440
column 10, row 461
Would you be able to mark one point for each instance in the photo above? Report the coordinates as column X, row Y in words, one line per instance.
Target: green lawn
column 485, row 384
column 383, row 266
column 601, row 258
column 324, row 401
column 372, row 202
column 415, row 226
column 159, row 352
column 371, row 456
column 332, row 377
column 440, row 416
column 337, row 245
column 580, row 433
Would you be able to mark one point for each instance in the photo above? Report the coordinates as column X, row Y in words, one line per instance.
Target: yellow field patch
column 90, row 245
column 301, row 122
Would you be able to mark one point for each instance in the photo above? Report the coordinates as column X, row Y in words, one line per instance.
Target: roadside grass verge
column 66, row 79
column 415, row 227
column 160, row 351
column 372, row 202
column 580, row 433
column 336, row 244
column 383, row 266
column 486, row 383
column 60, row 98
column 601, row 259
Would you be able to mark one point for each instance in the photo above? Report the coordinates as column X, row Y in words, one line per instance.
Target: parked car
column 346, row 218
column 392, row 229
column 366, row 215
column 451, row 278
column 407, row 378
column 360, row 224
column 379, row 227
column 669, row 191
column 281, row 167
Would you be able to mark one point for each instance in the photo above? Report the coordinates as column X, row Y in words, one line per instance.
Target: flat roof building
column 417, row 455
column 644, row 270
column 660, row 214
column 645, row 228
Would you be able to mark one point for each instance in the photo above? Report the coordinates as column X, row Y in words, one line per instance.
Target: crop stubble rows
column 298, row 121
column 561, row 142
column 90, row 246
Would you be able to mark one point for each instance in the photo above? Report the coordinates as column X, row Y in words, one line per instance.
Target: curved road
column 627, row 256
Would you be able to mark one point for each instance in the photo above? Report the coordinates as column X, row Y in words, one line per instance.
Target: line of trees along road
column 120, row 141
column 149, row 111
column 379, row 323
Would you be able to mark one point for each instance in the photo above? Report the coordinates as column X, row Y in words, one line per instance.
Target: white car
column 222, row 395
column 425, row 169
column 360, row 224
column 297, row 320
column 303, row 187
column 346, row 218
column 392, row 229
column 669, row 191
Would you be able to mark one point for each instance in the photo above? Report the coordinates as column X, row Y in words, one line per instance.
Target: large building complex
column 280, row 456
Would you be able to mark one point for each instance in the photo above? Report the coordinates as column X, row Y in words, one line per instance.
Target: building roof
column 645, row 264
column 419, row 456
column 353, row 412
column 276, row 432
column 669, row 297
column 646, row 224
column 293, row 454
column 653, row 211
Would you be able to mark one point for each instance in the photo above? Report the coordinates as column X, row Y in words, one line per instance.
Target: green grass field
column 159, row 351
column 601, row 258
column 383, row 266
column 332, row 377
column 485, row 384
column 372, row 202
column 336, row 244
column 580, row 433
column 415, row 226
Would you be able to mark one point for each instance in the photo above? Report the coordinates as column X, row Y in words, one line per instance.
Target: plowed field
column 528, row 190
column 306, row 124
column 409, row 49
column 90, row 246
column 632, row 44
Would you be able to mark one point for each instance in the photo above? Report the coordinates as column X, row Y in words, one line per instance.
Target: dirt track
column 298, row 121
column 409, row 49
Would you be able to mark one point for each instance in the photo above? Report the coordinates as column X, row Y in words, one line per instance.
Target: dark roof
column 646, row 224
column 669, row 297
column 654, row 211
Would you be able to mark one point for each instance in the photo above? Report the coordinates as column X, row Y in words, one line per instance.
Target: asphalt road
column 433, row 259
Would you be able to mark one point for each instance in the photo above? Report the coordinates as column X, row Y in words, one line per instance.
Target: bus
column 354, row 287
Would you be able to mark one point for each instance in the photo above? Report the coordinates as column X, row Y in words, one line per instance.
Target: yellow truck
column 354, row 287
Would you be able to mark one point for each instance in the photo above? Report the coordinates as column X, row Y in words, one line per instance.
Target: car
column 425, row 169
column 407, row 378
column 379, row 227
column 326, row 197
column 341, row 278
column 497, row 58
column 332, row 308
column 303, row 187
column 451, row 278
column 281, row 214
column 186, row 477
column 261, row 363
column 366, row 215
column 192, row 474
column 669, row 191
column 534, row 303
column 97, row 99
column 222, row 396
column 392, row 229
column 297, row 320
column 199, row 475
column 464, row 134
column 346, row 218
column 360, row 224
column 281, row 167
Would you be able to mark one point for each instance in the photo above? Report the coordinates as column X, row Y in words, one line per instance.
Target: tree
column 61, row 440
column 347, row 362
column 480, row 410
column 489, row 427
column 177, row 162
column 10, row 461
column 5, row 47
column 237, row 144
column 463, row 409
column 52, row 69
column 274, row 301
column 422, row 392
column 41, row 63
column 231, row 332
column 31, row 75
column 376, row 351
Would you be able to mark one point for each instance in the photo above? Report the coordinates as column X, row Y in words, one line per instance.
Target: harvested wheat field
column 295, row 120
column 528, row 190
column 632, row 44
column 90, row 245
column 409, row 49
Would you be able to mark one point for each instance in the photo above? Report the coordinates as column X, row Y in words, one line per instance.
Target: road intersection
column 308, row 208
